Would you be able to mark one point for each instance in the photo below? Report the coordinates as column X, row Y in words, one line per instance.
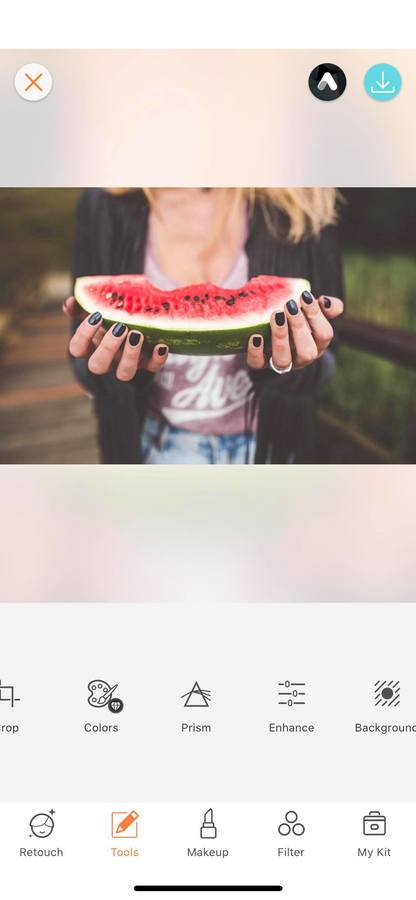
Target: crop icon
column 196, row 696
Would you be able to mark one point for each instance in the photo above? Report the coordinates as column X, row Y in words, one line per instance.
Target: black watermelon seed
column 119, row 304
column 197, row 298
column 166, row 305
column 114, row 295
column 121, row 297
column 187, row 297
column 217, row 297
column 148, row 309
column 243, row 294
column 206, row 296
column 231, row 301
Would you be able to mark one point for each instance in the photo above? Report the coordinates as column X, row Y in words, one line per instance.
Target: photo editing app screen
column 208, row 440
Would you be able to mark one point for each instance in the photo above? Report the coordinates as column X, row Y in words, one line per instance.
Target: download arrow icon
column 382, row 84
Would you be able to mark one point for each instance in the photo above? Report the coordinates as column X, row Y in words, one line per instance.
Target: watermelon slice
column 200, row 319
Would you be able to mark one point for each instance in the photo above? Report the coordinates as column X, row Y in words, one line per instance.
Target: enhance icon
column 101, row 695
column 292, row 691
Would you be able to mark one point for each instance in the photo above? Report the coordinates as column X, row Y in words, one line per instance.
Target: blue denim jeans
column 164, row 444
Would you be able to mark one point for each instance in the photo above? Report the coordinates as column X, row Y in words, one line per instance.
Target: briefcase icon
column 374, row 823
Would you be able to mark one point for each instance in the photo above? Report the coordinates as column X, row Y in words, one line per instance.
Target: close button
column 33, row 82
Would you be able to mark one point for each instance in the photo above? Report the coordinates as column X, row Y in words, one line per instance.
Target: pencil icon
column 125, row 823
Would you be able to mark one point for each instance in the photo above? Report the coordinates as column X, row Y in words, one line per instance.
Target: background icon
column 124, row 824
column 292, row 693
column 196, row 696
column 383, row 82
column 387, row 693
column 101, row 694
column 327, row 81
column 7, row 694
column 208, row 828
column 33, row 82
column 291, row 825
column 374, row 824
column 42, row 824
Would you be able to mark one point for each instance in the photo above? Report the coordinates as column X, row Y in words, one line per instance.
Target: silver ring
column 280, row 371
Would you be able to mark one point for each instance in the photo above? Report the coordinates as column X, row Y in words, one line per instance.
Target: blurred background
column 368, row 414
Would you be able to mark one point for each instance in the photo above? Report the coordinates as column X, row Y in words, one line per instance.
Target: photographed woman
column 153, row 407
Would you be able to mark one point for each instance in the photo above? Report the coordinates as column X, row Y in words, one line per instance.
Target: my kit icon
column 374, row 824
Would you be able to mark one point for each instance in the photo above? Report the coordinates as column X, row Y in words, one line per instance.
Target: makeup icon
column 208, row 828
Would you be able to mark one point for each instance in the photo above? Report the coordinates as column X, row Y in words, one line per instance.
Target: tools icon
column 292, row 693
column 208, row 828
column 386, row 693
column 196, row 696
column 7, row 694
column 124, row 824
column 291, row 825
column 42, row 824
column 101, row 695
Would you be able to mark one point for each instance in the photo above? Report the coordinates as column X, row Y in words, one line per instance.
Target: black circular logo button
column 327, row 82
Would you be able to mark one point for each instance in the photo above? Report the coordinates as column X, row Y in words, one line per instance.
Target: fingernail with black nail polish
column 307, row 297
column 280, row 318
column 327, row 303
column 292, row 307
column 119, row 329
column 256, row 341
column 162, row 351
column 134, row 338
column 94, row 318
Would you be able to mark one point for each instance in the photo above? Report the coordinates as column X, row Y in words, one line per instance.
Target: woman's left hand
column 300, row 333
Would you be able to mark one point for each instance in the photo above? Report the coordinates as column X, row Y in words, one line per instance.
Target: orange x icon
column 33, row 82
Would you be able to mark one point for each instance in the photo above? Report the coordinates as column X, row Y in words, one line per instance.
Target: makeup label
column 199, row 851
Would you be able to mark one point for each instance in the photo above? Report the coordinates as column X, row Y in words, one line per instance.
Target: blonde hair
column 308, row 210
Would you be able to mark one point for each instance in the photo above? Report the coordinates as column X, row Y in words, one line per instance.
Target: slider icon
column 208, row 828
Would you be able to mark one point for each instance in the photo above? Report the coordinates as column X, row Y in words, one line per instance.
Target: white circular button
column 33, row 82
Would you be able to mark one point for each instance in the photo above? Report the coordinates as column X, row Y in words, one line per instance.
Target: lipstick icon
column 208, row 829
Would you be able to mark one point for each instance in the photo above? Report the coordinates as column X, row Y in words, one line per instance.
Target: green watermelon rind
column 195, row 342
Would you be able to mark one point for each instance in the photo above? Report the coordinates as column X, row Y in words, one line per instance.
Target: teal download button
column 383, row 82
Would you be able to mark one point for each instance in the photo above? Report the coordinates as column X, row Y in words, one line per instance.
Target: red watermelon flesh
column 196, row 319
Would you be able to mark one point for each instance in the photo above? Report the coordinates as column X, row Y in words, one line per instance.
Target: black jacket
column 110, row 238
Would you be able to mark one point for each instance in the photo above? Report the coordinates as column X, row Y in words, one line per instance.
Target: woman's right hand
column 118, row 346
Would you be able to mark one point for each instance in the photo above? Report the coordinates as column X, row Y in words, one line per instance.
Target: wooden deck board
column 45, row 417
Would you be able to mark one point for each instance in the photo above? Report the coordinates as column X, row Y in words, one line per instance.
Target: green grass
column 36, row 227
column 381, row 289
column 376, row 396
